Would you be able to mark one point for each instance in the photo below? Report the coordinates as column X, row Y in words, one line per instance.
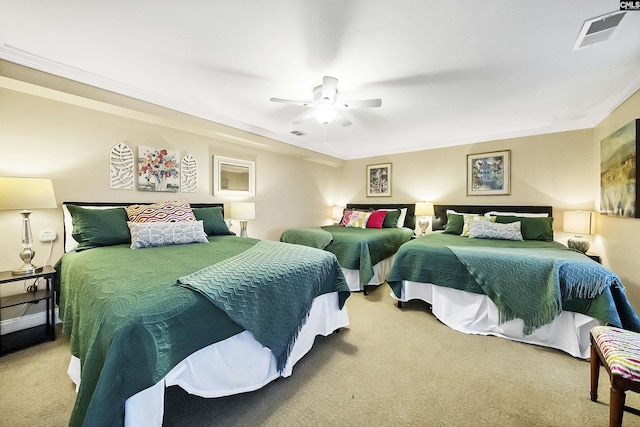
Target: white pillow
column 524, row 215
column 403, row 215
column 469, row 218
column 494, row 230
column 154, row 234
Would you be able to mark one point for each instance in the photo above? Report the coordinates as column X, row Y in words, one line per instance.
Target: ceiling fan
column 325, row 104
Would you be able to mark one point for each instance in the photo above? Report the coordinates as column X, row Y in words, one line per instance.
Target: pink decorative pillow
column 346, row 215
column 176, row 211
column 376, row 219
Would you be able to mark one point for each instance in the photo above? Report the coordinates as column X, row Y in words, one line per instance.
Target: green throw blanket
column 314, row 237
column 268, row 290
column 530, row 284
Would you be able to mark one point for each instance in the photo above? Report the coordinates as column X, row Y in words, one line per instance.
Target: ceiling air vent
column 298, row 133
column 598, row 30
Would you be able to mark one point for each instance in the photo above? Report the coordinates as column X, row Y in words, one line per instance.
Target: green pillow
column 99, row 227
column 455, row 224
column 391, row 219
column 213, row 220
column 531, row 228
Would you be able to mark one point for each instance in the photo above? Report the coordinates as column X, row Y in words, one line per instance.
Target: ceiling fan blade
column 289, row 101
column 342, row 120
column 329, row 89
column 365, row 103
column 301, row 118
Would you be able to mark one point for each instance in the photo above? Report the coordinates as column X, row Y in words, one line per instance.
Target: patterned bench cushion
column 621, row 350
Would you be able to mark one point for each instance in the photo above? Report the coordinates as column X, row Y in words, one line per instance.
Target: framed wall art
column 489, row 174
column 618, row 172
column 158, row 170
column 233, row 177
column 379, row 180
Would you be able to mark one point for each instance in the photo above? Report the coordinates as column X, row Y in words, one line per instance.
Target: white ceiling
column 448, row 72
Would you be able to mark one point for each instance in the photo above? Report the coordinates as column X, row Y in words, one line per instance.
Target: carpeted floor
column 389, row 367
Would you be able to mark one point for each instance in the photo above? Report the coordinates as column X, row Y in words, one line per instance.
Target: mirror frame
column 218, row 161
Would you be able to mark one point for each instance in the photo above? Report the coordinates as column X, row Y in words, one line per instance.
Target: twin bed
column 172, row 313
column 365, row 253
column 530, row 289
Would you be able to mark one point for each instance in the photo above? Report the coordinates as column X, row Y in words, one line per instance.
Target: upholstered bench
column 618, row 350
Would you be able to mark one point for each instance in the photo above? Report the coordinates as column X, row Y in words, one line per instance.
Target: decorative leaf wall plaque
column 189, row 174
column 121, row 173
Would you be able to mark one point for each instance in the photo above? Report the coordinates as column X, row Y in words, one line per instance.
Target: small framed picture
column 489, row 174
column 379, row 180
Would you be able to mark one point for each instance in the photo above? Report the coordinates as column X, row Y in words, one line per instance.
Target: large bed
column 365, row 253
column 532, row 289
column 218, row 316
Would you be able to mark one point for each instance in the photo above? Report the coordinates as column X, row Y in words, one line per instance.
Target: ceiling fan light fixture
column 325, row 114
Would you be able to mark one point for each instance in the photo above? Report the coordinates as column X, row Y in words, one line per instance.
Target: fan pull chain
column 324, row 134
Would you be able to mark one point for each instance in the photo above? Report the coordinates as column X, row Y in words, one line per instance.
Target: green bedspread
column 357, row 248
column 130, row 325
column 559, row 278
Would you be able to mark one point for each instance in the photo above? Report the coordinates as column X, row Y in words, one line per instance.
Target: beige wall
column 49, row 134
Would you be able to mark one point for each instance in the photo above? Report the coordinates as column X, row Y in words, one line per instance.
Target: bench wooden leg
column 595, row 373
column 616, row 407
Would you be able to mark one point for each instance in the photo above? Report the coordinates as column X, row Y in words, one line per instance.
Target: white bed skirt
column 473, row 313
column 380, row 274
column 217, row 370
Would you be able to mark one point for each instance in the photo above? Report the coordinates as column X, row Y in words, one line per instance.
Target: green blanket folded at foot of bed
column 551, row 277
column 269, row 290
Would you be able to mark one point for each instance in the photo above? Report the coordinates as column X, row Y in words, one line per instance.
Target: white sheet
column 476, row 314
column 380, row 274
column 235, row 365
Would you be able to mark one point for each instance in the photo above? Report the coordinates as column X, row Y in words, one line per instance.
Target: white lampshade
column 26, row 193
column 424, row 209
column 579, row 222
column 243, row 211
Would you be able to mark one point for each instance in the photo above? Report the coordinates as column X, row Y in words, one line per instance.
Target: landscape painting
column 618, row 173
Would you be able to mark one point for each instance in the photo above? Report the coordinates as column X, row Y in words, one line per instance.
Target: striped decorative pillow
column 176, row 211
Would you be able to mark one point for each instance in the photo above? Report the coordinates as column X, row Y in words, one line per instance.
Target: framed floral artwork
column 489, row 174
column 158, row 170
column 379, row 180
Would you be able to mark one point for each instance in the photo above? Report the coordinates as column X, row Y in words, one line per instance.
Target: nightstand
column 594, row 257
column 27, row 337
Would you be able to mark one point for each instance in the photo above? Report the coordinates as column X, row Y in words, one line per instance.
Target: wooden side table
column 30, row 336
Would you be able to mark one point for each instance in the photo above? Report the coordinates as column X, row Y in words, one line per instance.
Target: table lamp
column 424, row 210
column 243, row 211
column 579, row 223
column 24, row 194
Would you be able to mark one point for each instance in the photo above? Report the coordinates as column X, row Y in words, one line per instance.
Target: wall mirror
column 233, row 177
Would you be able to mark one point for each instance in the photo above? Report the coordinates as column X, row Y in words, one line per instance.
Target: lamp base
column 243, row 228
column 26, row 269
column 579, row 244
column 423, row 223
